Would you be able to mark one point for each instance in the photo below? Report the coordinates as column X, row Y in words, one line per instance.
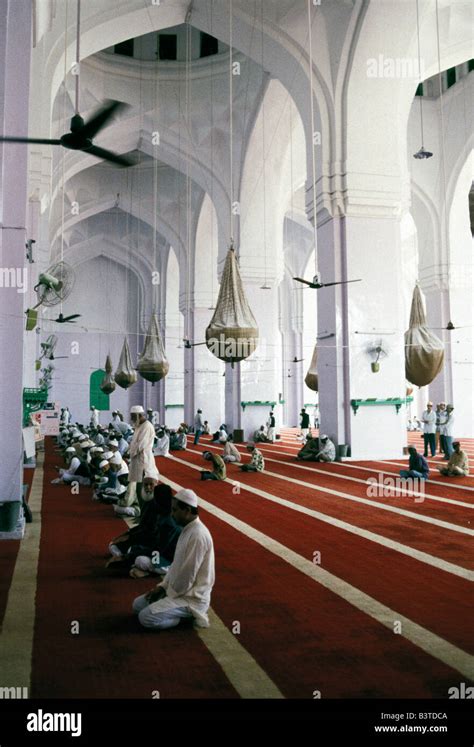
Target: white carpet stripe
column 411, row 552
column 401, row 491
column 429, row 642
column 16, row 638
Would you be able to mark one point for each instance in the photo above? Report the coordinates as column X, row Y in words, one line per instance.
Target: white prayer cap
column 187, row 496
column 83, row 437
column 113, row 442
column 98, row 448
column 70, row 448
column 103, row 463
column 323, row 437
column 115, row 459
column 137, row 410
column 108, row 454
column 87, row 444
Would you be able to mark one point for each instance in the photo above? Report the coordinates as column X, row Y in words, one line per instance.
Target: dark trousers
column 207, row 475
column 430, row 438
column 197, row 436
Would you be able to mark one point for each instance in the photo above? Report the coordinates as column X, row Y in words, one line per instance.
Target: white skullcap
column 113, row 442
column 187, row 496
column 323, row 437
column 115, row 459
column 70, row 448
column 108, row 454
column 83, row 437
column 103, row 463
column 97, row 448
column 137, row 410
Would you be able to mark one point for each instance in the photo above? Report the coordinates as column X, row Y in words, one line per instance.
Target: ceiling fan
column 71, row 319
column 315, row 283
column 82, row 133
column 449, row 327
column 188, row 345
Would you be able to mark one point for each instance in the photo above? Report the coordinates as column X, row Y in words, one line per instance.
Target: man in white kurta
column 185, row 591
column 429, row 429
column 162, row 447
column 141, row 461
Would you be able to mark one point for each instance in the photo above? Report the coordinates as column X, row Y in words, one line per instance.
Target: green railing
column 396, row 402
column 257, row 403
column 168, row 407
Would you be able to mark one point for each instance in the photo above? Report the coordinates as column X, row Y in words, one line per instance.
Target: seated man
column 162, row 444
column 458, row 464
column 417, row 465
column 178, row 440
column 327, row 450
column 260, row 435
column 218, row 467
column 76, row 470
column 309, row 452
column 230, row 453
column 257, row 463
column 207, row 428
column 153, row 540
column 185, row 592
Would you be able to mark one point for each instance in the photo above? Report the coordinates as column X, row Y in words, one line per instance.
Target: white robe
column 141, row 452
column 94, row 418
column 191, row 575
column 162, row 447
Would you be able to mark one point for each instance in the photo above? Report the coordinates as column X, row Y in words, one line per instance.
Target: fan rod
column 78, row 51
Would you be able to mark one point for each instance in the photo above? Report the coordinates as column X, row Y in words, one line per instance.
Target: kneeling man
column 185, row 591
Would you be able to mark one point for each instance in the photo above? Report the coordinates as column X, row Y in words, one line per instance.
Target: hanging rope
column 78, row 52
column 419, row 69
column 313, row 156
column 231, row 120
column 264, row 155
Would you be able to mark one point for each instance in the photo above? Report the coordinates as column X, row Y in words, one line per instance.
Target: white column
column 15, row 47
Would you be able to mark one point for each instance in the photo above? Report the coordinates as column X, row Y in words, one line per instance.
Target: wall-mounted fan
column 48, row 347
column 377, row 351
column 53, row 286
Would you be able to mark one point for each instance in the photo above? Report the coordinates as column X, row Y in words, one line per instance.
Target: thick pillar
column 366, row 247
column 15, row 48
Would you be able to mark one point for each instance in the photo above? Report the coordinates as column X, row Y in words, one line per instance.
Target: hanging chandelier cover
column 125, row 374
column 232, row 334
column 152, row 364
column 108, row 383
column 311, row 378
column 424, row 351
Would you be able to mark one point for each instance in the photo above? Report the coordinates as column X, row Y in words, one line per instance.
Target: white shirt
column 141, row 452
column 74, row 465
column 122, row 446
column 447, row 426
column 222, row 436
column 429, row 421
column 191, row 575
column 162, row 447
column 328, row 450
column 231, row 450
column 198, row 422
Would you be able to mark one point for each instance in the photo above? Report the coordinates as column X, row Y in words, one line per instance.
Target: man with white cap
column 327, row 450
column 76, row 471
column 198, row 427
column 94, row 417
column 185, row 591
column 141, row 445
column 429, row 429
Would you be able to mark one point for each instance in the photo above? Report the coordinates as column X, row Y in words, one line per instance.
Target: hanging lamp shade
column 152, row 364
column 108, row 384
column 424, row 352
column 232, row 334
column 311, row 378
column 125, row 374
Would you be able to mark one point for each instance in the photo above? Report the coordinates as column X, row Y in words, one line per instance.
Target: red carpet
column 112, row 656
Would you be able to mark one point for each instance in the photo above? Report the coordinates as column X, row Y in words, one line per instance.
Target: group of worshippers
column 169, row 540
column 438, row 429
column 217, row 467
column 418, row 467
column 266, row 433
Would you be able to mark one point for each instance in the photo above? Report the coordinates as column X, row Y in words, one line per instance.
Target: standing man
column 304, row 425
column 429, row 429
column 442, row 419
column 447, row 432
column 271, row 428
column 141, row 455
column 185, row 591
column 198, row 427
column 94, row 417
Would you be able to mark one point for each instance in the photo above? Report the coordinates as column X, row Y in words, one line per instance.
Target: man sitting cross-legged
column 185, row 592
column 458, row 465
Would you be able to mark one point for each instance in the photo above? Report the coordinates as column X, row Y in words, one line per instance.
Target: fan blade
column 194, row 344
column 71, row 317
column 41, row 141
column 107, row 155
column 100, row 119
column 302, row 280
column 341, row 282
